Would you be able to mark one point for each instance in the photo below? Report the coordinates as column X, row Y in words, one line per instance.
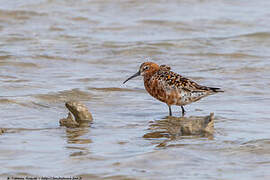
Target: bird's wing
column 192, row 86
column 165, row 67
column 172, row 80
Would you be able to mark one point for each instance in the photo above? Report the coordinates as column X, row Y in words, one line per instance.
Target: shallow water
column 53, row 51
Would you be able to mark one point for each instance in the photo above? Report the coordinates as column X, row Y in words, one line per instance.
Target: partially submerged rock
column 182, row 126
column 81, row 116
column 69, row 121
column 2, row 130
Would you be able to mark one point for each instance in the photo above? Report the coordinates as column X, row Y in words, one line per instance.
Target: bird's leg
column 170, row 110
column 183, row 110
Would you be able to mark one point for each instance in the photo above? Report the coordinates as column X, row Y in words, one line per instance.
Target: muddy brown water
column 54, row 51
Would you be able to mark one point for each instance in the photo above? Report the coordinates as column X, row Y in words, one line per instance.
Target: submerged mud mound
column 183, row 126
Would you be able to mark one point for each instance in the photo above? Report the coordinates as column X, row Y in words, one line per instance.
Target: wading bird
column 171, row 88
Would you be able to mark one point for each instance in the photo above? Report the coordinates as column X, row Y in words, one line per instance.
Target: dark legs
column 170, row 110
column 182, row 107
column 183, row 110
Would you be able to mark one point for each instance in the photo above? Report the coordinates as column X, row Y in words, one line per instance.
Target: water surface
column 54, row 51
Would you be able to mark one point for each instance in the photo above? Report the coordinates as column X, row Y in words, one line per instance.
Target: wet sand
column 53, row 51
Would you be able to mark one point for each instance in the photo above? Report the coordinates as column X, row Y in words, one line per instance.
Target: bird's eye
column 146, row 68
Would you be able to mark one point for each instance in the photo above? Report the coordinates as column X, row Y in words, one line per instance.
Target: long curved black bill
column 133, row 76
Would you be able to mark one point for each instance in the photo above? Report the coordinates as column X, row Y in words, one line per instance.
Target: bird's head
column 146, row 69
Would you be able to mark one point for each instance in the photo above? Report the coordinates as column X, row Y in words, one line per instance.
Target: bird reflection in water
column 173, row 128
